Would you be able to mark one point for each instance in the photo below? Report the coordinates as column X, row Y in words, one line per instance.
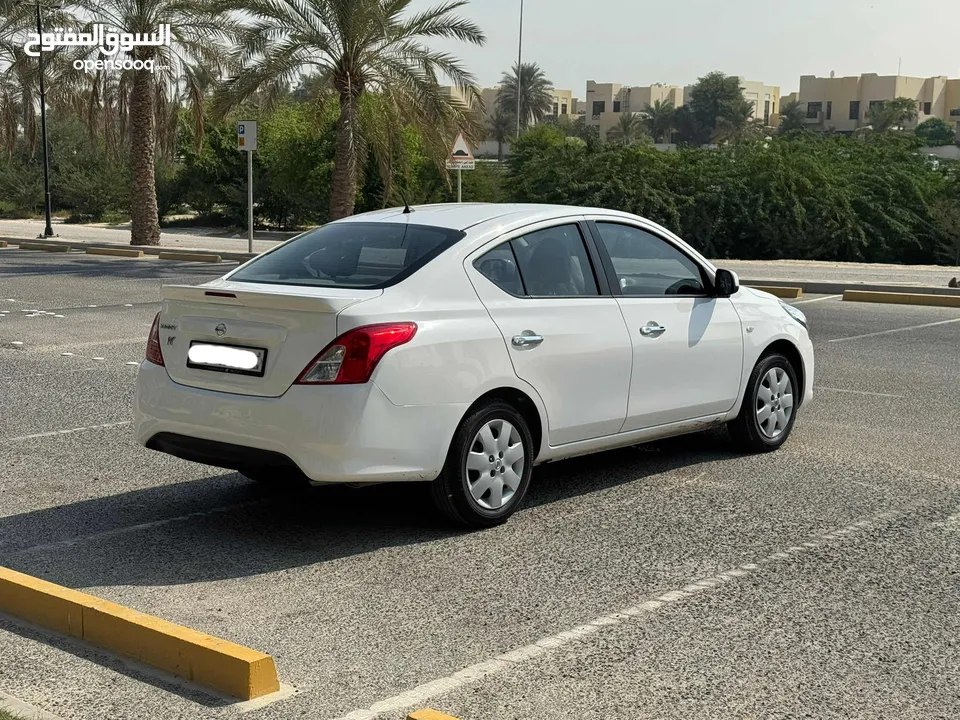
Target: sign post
column 247, row 142
column 461, row 158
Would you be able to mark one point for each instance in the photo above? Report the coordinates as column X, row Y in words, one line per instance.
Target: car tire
column 488, row 467
column 765, row 420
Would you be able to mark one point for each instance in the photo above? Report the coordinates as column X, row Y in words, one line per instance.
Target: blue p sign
column 240, row 129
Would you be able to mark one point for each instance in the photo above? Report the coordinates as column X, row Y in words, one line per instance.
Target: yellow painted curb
column 117, row 252
column 44, row 247
column 197, row 257
column 902, row 298
column 224, row 666
column 788, row 293
column 428, row 714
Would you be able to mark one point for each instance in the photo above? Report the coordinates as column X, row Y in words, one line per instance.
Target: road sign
column 461, row 156
column 247, row 135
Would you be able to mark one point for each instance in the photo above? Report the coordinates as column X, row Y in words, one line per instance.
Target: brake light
column 352, row 357
column 154, row 354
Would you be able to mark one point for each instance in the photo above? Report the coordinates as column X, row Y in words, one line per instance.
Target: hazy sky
column 633, row 42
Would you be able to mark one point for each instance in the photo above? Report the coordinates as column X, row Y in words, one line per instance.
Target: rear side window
column 352, row 254
column 546, row 263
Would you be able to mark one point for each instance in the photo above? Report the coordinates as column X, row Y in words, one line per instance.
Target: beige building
column 607, row 101
column 563, row 103
column 842, row 103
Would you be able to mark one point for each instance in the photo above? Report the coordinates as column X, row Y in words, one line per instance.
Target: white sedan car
column 462, row 345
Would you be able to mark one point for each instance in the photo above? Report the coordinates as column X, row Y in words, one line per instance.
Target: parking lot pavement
column 819, row 580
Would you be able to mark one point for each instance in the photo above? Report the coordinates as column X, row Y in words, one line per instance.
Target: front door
column 687, row 344
column 564, row 337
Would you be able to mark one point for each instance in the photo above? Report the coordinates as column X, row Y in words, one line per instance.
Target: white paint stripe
column 828, row 297
column 895, row 330
column 54, row 433
column 858, row 392
column 135, row 528
column 475, row 673
column 140, row 339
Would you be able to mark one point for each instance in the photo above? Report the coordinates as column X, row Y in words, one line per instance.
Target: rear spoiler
column 272, row 297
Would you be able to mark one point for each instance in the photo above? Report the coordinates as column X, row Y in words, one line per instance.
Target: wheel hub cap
column 494, row 465
column 774, row 402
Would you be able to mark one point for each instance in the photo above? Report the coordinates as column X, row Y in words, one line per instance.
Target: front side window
column 648, row 265
column 352, row 254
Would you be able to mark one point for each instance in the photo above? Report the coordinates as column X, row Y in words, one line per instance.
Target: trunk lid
column 291, row 323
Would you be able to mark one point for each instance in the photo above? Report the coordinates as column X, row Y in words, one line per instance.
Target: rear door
column 564, row 332
column 687, row 343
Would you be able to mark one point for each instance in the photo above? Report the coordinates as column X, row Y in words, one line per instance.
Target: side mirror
column 726, row 283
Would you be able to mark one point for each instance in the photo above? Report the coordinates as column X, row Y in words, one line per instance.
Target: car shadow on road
column 225, row 527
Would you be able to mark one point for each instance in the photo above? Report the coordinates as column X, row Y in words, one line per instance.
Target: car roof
column 462, row 216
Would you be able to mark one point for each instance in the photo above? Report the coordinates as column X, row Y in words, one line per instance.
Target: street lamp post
column 48, row 230
column 519, row 68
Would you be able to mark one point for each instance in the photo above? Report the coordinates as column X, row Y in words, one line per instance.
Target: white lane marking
column 91, row 343
column 136, row 528
column 47, row 374
column 950, row 524
column 479, row 671
column 895, row 330
column 54, row 433
column 858, row 392
column 828, row 297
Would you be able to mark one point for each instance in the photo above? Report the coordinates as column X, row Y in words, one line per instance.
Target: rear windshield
column 352, row 254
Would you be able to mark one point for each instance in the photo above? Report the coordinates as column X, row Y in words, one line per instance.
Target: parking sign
column 247, row 135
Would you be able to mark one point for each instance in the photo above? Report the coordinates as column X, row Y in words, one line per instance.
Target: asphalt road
column 675, row 580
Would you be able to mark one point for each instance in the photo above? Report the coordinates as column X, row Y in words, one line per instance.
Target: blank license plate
column 226, row 358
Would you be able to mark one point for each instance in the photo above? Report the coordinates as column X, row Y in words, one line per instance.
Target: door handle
column 652, row 329
column 527, row 339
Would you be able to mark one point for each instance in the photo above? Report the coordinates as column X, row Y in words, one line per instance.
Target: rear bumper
column 349, row 433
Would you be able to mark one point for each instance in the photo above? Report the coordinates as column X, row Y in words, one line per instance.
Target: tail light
column 353, row 356
column 154, row 354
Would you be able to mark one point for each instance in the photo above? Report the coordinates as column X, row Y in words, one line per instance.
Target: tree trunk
column 500, row 151
column 343, row 193
column 144, row 225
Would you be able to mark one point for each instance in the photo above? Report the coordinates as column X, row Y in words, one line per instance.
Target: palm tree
column 501, row 127
column 141, row 95
column 628, row 128
column 659, row 120
column 792, row 117
column 365, row 48
column 536, row 94
column 738, row 124
column 892, row 115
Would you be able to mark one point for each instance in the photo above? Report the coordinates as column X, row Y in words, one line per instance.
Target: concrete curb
column 781, row 291
column 194, row 257
column 836, row 288
column 428, row 714
column 902, row 298
column 203, row 659
column 146, row 249
column 45, row 247
column 116, row 252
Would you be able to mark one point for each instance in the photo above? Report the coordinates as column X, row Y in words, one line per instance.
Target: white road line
column 828, row 297
column 895, row 330
column 858, row 392
column 54, row 433
column 140, row 339
column 135, row 528
column 480, row 671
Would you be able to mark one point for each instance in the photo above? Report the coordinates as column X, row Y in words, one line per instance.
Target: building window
column 814, row 109
column 616, row 106
column 829, row 109
column 955, row 113
column 875, row 105
column 556, row 107
column 766, row 112
column 927, row 107
column 563, row 109
column 854, row 109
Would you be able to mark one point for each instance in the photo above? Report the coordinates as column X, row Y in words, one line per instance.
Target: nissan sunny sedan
column 462, row 345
